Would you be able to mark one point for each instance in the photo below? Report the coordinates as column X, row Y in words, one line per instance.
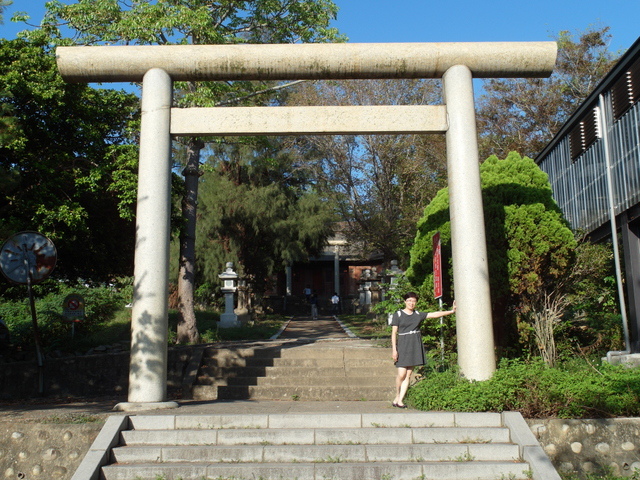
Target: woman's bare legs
column 402, row 384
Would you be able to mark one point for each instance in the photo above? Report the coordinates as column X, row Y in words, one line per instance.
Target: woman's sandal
column 397, row 405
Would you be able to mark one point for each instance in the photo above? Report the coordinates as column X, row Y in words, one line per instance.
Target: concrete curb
column 345, row 328
column 98, row 454
column 530, row 449
column 282, row 329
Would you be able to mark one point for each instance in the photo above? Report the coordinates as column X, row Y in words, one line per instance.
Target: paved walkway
column 324, row 329
column 306, row 327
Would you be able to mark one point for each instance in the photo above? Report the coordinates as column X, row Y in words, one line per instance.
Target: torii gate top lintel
column 306, row 61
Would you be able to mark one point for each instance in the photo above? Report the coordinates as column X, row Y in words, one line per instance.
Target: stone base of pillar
column 623, row 358
column 228, row 320
column 140, row 406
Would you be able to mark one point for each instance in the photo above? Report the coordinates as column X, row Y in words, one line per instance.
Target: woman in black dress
column 406, row 342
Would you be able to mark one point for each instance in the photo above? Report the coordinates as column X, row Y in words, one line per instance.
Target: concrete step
column 298, row 392
column 392, row 418
column 302, row 393
column 316, row 453
column 309, row 361
column 337, row 350
column 315, row 380
column 296, row 372
column 322, row 471
column 321, row 436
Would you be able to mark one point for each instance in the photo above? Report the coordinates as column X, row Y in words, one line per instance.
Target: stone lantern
column 229, row 279
column 391, row 277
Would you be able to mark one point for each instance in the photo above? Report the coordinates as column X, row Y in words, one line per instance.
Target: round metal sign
column 27, row 256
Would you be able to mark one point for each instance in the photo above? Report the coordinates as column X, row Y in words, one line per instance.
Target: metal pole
column 441, row 332
column 36, row 330
column 604, row 130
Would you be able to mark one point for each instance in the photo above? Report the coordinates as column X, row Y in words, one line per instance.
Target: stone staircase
column 369, row 446
column 322, row 437
column 322, row 370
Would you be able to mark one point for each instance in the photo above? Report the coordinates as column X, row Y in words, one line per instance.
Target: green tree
column 7, row 120
column 376, row 181
column 529, row 244
column 259, row 211
column 67, row 163
column 194, row 22
column 4, row 4
column 523, row 114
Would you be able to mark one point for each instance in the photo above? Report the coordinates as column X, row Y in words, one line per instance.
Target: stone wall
column 31, row 451
column 591, row 446
column 94, row 375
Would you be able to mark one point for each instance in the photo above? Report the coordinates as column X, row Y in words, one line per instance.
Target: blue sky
column 453, row 20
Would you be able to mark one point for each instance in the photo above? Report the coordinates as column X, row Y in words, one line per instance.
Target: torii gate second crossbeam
column 158, row 66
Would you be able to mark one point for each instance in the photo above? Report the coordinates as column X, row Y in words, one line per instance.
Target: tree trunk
column 187, row 331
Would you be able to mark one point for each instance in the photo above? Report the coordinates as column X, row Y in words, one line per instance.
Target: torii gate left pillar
column 156, row 66
column 149, row 316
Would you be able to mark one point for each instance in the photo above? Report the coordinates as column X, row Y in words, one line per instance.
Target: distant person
column 307, row 292
column 313, row 300
column 335, row 304
column 407, row 349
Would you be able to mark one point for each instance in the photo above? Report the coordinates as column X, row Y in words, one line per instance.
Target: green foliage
column 435, row 219
column 577, row 389
column 259, row 212
column 103, row 303
column 261, row 329
column 523, row 114
column 365, row 327
column 67, row 163
column 529, row 244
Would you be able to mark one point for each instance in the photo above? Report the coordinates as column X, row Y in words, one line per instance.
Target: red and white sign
column 437, row 266
column 73, row 306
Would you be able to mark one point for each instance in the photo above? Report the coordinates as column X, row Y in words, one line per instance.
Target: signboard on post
column 73, row 306
column 437, row 266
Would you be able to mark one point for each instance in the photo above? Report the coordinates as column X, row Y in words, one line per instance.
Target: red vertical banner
column 437, row 266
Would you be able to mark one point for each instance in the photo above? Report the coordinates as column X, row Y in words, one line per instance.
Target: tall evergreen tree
column 258, row 210
column 530, row 246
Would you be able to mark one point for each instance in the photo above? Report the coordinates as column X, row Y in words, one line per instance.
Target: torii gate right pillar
column 474, row 325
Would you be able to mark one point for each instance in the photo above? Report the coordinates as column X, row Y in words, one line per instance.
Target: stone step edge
column 352, row 453
column 394, row 418
column 285, row 438
column 318, row 471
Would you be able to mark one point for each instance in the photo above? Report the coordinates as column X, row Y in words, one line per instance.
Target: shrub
column 102, row 302
column 576, row 389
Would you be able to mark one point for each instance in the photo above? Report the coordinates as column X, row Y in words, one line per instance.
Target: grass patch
column 365, row 327
column 72, row 419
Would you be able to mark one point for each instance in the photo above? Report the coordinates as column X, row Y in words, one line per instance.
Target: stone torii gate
column 158, row 66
